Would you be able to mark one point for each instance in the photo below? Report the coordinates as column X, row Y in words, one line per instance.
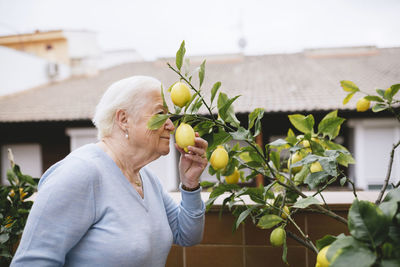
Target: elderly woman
column 100, row 206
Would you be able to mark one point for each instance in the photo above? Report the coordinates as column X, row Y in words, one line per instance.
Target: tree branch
column 389, row 171
column 301, row 241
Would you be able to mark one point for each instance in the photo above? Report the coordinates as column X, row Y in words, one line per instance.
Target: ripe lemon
column 180, row 94
column 316, row 167
column 295, row 158
column 285, row 209
column 305, row 143
column 322, row 261
column 219, row 158
column 233, row 178
column 278, row 235
column 363, row 105
column 184, row 136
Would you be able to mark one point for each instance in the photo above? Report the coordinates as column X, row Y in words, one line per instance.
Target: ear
column 121, row 119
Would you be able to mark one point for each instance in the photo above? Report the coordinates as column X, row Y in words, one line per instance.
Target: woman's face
column 155, row 143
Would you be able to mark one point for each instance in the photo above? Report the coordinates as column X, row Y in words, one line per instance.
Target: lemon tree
column 307, row 158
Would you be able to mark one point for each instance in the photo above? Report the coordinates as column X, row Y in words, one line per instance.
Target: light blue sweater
column 86, row 213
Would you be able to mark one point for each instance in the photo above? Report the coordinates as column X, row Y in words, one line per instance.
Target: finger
column 200, row 142
column 197, row 158
column 197, row 150
column 180, row 149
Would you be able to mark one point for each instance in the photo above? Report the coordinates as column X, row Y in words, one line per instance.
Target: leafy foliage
column 14, row 210
column 309, row 158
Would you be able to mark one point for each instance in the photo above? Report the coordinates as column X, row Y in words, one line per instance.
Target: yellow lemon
column 316, row 167
column 295, row 158
column 305, row 143
column 219, row 158
column 180, row 94
column 363, row 105
column 322, row 261
column 278, row 235
column 12, row 193
column 233, row 178
column 184, row 136
column 285, row 209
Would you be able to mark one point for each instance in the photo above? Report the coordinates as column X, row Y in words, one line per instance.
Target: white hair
column 123, row 94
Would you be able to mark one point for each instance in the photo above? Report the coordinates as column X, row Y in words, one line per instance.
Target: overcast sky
column 155, row 28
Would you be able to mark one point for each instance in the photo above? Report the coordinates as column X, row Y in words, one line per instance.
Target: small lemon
column 322, row 261
column 184, row 136
column 233, row 178
column 277, row 237
column 305, row 143
column 286, row 211
column 363, row 105
column 219, row 158
column 180, row 94
column 295, row 158
column 316, row 167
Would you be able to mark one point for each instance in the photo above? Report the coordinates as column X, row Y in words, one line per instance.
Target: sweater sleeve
column 63, row 211
column 187, row 219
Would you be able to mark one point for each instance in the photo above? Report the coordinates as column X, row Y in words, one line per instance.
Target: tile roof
column 305, row 81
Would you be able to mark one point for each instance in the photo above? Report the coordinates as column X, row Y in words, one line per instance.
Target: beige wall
column 58, row 52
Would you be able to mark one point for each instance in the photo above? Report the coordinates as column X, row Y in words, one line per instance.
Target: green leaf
column 241, row 134
column 316, row 178
column 170, row 88
column 214, row 90
column 301, row 175
column 374, row 98
column 329, row 127
column 345, row 159
column 379, row 107
column 180, row 55
column 268, row 221
column 4, row 238
column 284, row 252
column 257, row 113
column 303, row 203
column 243, row 216
column 302, row 123
column 367, row 222
column 203, row 127
column 191, row 100
column 201, row 72
column 347, row 98
column 157, row 121
column 163, row 99
column 291, row 137
column 351, row 255
column 206, row 184
column 349, row 86
column 278, row 143
column 388, row 94
column 216, row 139
column 381, row 92
column 276, row 159
column 343, row 181
column 325, row 241
column 390, row 263
column 225, row 109
column 394, row 89
column 393, row 195
column 389, row 209
column 196, row 106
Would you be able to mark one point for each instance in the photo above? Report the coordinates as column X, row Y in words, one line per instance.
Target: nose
column 169, row 125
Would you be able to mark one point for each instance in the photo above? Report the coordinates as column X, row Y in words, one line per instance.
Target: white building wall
column 373, row 140
column 14, row 65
